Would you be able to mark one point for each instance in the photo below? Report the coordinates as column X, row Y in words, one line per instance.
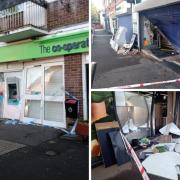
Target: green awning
column 47, row 46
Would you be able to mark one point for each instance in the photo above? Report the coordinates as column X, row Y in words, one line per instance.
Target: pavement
column 117, row 70
column 30, row 152
column 128, row 171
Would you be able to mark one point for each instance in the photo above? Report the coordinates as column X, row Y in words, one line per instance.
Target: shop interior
column 148, row 120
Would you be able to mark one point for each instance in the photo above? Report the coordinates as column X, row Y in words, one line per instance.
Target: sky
column 98, row 4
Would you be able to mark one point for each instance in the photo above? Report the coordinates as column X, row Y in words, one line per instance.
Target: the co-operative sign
column 55, row 48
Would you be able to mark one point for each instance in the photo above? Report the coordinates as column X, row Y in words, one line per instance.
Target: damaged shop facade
column 42, row 59
column 152, row 28
column 158, row 27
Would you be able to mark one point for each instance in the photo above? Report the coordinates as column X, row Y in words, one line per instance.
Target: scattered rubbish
column 125, row 52
column 119, row 39
column 132, row 127
column 160, row 148
column 18, row 122
column 131, row 44
column 51, row 153
column 72, row 137
column 129, row 126
column 170, row 128
column 177, row 148
column 144, row 142
column 134, row 142
column 128, row 49
column 125, row 128
column 163, row 164
column 144, row 154
column 11, row 122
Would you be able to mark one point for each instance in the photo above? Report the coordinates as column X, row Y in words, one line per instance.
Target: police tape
column 146, row 84
column 136, row 159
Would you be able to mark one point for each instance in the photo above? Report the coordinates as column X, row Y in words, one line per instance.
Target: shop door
column 44, row 95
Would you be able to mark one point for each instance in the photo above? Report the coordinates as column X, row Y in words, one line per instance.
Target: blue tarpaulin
column 167, row 19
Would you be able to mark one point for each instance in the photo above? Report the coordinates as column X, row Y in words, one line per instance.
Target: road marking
column 102, row 35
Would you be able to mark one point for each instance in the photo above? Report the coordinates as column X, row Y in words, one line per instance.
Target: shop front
column 36, row 75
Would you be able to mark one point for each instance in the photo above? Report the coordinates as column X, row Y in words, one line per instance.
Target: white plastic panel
column 32, row 109
column 54, row 111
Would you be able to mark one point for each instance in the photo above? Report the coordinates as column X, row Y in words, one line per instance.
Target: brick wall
column 62, row 15
column 73, row 77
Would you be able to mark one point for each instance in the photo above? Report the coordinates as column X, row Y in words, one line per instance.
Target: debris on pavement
column 170, row 128
column 123, row 51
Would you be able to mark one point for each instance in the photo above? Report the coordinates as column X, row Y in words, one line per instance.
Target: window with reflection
column 33, row 85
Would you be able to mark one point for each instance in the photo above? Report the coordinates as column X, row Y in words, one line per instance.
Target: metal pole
column 152, row 110
column 93, row 70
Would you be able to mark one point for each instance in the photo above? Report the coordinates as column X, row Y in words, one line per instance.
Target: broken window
column 54, row 81
column 13, row 94
column 32, row 109
column 133, row 111
column 12, row 91
column 33, row 85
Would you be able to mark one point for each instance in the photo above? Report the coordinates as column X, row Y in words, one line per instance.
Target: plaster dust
column 163, row 165
column 170, row 128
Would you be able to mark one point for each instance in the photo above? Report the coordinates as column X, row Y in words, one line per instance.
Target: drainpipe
column 115, row 14
column 152, row 110
column 93, row 71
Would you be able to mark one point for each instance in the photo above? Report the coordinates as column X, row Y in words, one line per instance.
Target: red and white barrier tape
column 146, row 84
column 136, row 159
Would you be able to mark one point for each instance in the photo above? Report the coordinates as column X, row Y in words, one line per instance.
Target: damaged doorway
column 44, row 95
column 154, row 40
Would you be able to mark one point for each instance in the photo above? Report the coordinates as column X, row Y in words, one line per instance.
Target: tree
column 95, row 17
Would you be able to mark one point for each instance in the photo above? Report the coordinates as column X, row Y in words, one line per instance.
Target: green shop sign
column 48, row 46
